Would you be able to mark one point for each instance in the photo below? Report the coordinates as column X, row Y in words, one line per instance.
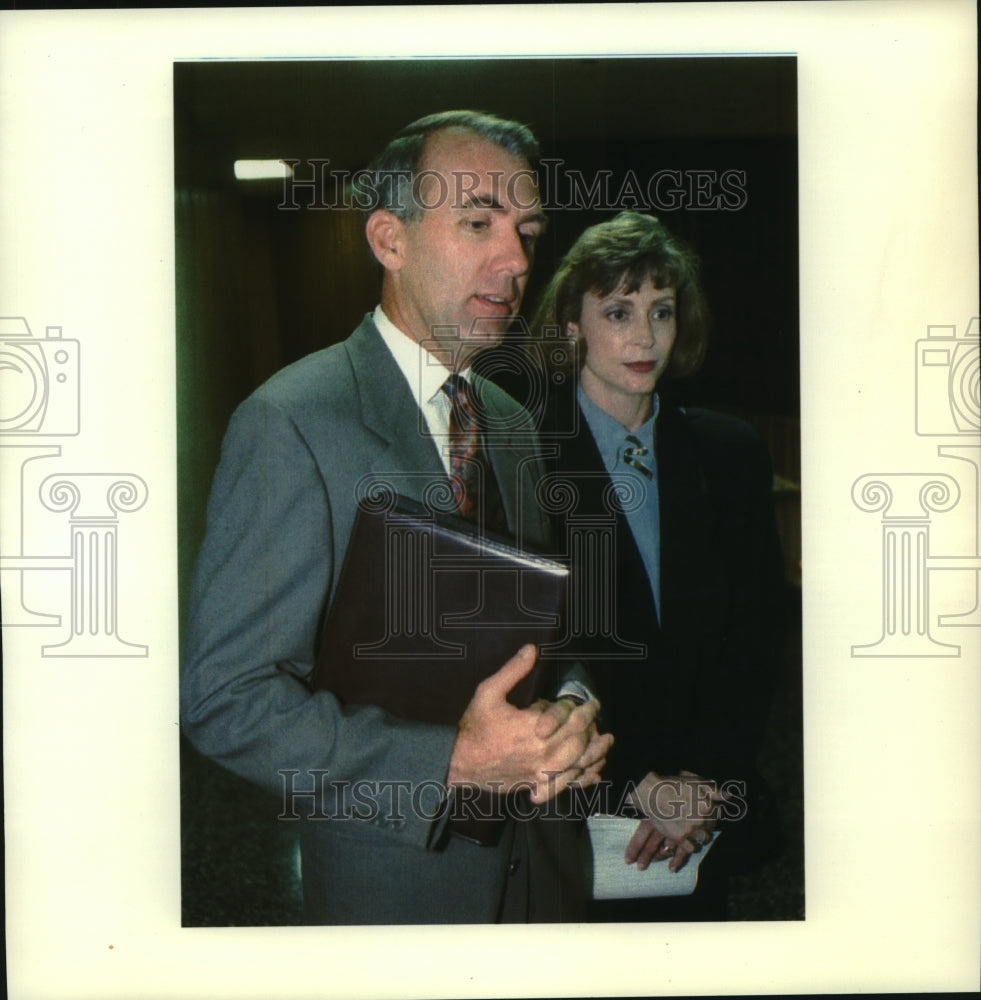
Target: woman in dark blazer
column 679, row 617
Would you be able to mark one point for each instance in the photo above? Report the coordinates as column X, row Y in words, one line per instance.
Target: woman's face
column 627, row 340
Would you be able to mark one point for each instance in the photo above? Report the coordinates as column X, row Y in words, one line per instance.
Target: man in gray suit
column 454, row 221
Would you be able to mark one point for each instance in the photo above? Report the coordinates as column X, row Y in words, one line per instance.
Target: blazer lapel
column 580, row 461
column 686, row 536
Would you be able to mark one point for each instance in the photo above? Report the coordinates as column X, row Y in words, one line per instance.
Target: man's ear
column 385, row 232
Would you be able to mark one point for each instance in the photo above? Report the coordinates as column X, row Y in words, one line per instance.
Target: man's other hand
column 544, row 747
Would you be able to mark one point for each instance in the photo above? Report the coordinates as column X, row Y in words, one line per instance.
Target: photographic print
column 271, row 269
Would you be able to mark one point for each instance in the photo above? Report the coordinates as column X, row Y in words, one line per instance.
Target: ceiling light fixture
column 261, row 170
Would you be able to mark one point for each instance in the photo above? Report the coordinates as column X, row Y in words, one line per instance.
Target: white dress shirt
column 425, row 375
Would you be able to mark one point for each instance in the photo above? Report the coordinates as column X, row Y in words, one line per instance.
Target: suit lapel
column 405, row 449
column 515, row 480
column 406, row 457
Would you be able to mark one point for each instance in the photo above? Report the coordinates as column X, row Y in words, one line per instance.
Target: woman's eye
column 616, row 314
column 476, row 224
column 664, row 313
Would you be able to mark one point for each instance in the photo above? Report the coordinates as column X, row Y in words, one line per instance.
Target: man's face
column 468, row 256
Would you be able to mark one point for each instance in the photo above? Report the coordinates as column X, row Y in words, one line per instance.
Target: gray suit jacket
column 297, row 455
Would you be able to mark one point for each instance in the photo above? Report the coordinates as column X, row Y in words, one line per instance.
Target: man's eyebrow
column 481, row 201
column 489, row 201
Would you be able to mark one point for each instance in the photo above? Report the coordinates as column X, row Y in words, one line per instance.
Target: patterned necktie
column 464, row 445
column 633, row 453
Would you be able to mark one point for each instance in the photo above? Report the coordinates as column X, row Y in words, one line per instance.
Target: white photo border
column 888, row 248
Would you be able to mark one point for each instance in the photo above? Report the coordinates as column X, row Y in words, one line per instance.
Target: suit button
column 514, row 866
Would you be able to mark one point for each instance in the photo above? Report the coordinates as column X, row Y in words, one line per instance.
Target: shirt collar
column 424, row 372
column 609, row 433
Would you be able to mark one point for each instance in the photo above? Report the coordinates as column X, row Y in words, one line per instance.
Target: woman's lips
column 641, row 367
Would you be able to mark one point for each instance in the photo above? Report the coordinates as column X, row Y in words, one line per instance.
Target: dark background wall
column 259, row 285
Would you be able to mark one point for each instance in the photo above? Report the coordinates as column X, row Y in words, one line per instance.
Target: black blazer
column 698, row 698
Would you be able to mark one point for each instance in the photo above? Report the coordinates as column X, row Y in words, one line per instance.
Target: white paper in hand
column 613, row 878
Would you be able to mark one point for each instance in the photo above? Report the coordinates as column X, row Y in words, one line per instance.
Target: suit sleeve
column 257, row 598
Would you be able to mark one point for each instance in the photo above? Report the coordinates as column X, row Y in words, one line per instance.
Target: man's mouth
column 497, row 304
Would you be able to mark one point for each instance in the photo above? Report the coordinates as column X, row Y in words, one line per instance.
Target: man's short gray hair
column 389, row 180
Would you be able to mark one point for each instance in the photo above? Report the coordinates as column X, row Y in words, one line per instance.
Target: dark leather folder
column 426, row 608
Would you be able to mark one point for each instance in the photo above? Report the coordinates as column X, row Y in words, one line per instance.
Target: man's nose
column 515, row 255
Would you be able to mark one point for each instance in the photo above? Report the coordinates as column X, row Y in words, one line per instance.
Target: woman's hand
column 679, row 817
